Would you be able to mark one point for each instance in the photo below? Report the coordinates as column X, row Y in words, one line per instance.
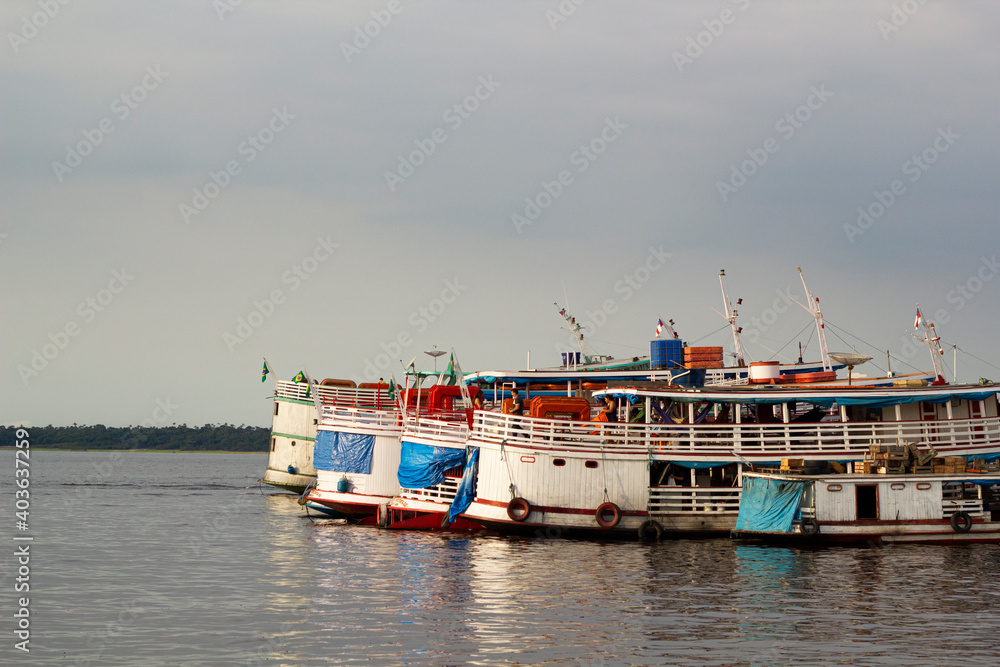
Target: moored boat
column 940, row 508
column 673, row 462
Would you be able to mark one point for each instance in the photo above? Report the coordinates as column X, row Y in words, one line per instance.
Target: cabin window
column 590, row 464
column 276, row 404
column 558, row 462
column 272, row 443
column 923, row 486
column 293, row 443
column 897, row 486
column 315, row 421
column 833, row 488
column 527, row 459
column 866, row 496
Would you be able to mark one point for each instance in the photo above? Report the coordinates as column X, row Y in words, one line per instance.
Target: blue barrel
column 674, row 353
column 658, row 354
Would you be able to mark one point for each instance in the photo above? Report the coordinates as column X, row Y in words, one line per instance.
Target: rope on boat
column 510, row 474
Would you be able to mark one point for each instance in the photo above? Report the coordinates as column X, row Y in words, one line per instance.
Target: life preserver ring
column 518, row 509
column 651, row 530
column 961, row 522
column 809, row 527
column 605, row 508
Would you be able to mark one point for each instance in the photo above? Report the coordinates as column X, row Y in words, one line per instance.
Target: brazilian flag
column 263, row 373
column 392, row 389
column 299, row 377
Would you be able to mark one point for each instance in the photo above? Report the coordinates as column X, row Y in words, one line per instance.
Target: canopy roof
column 823, row 396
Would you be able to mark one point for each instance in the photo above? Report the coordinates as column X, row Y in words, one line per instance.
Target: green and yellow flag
column 299, row 377
column 263, row 373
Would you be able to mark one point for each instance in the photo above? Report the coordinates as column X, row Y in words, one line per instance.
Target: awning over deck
column 423, row 466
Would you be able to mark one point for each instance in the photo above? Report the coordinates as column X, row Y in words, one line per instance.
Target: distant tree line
column 223, row 437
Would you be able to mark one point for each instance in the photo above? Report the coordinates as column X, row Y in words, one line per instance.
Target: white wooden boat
column 679, row 468
column 949, row 508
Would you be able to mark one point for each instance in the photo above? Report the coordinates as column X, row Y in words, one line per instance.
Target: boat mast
column 730, row 317
column 817, row 314
column 577, row 331
column 933, row 343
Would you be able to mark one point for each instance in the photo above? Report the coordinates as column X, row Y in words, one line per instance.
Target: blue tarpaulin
column 769, row 505
column 467, row 487
column 343, row 452
column 423, row 466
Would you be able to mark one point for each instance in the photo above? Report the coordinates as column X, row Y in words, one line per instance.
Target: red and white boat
column 674, row 462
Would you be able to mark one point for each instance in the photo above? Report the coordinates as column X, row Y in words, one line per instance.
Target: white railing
column 382, row 420
column 345, row 396
column 761, row 441
column 684, row 499
column 972, row 506
column 442, row 493
column 445, row 428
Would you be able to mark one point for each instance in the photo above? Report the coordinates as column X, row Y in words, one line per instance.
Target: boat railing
column 446, row 428
column 442, row 493
column 687, row 499
column 971, row 506
column 350, row 417
column 775, row 440
column 344, row 396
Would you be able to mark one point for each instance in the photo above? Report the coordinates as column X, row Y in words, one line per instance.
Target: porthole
column 527, row 459
column 923, row 486
column 897, row 486
column 558, row 462
column 590, row 464
column 834, row 487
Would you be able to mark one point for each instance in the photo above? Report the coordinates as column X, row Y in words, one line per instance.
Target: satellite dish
column 849, row 359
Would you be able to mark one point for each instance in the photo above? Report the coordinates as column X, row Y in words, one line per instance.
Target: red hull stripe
column 560, row 510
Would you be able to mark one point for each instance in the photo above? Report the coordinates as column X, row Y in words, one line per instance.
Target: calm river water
column 149, row 558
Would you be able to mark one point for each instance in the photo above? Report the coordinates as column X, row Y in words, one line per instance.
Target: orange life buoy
column 518, row 509
column 603, row 512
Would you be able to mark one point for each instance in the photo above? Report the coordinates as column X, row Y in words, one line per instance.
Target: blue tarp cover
column 343, row 452
column 467, row 487
column 769, row 505
column 423, row 466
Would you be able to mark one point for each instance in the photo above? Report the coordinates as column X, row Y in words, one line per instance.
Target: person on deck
column 610, row 411
column 517, row 403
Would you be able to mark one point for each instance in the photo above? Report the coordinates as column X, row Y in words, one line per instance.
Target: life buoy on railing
column 809, row 527
column 961, row 522
column 518, row 509
column 651, row 530
column 608, row 515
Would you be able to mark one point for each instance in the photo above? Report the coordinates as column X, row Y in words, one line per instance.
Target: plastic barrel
column 658, row 354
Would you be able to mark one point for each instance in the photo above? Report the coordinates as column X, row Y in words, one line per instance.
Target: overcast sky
column 189, row 187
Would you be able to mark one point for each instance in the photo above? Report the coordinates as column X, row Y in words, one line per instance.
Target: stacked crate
column 922, row 461
column 887, row 459
column 949, row 464
column 703, row 357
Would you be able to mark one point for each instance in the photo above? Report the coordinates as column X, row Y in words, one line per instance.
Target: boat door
column 866, row 501
column 928, row 416
column 976, row 414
